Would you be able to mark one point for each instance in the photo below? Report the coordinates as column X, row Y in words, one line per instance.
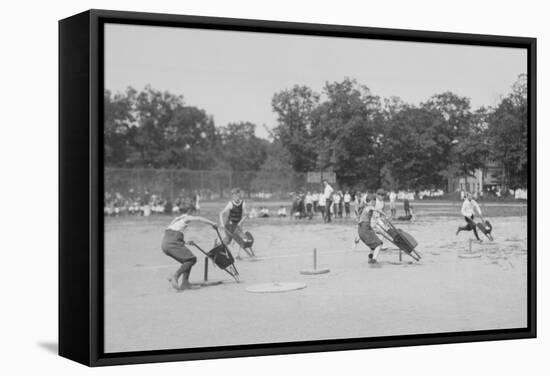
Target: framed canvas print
column 235, row 187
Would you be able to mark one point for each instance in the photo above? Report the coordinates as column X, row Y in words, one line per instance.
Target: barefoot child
column 173, row 245
column 366, row 232
column 236, row 214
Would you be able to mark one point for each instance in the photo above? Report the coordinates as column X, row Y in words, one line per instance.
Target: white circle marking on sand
column 276, row 287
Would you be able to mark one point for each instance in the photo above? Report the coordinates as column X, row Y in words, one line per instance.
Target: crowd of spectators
column 306, row 204
column 340, row 204
column 146, row 203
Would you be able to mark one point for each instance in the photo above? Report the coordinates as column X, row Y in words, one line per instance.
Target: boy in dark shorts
column 173, row 245
column 236, row 215
column 366, row 232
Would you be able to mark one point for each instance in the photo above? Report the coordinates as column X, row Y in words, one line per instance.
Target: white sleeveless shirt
column 179, row 223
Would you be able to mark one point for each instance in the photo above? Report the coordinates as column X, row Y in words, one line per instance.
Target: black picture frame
column 80, row 175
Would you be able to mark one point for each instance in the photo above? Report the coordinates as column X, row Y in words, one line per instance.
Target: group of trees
column 368, row 141
column 372, row 142
column 154, row 129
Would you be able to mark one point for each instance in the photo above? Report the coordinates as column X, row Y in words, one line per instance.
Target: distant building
column 484, row 178
column 491, row 174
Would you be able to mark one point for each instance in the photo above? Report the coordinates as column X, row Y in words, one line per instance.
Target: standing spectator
column 328, row 190
column 197, row 202
column 340, row 204
column 347, row 202
column 379, row 205
column 393, row 198
column 309, row 205
column 322, row 205
column 407, row 207
column 336, row 199
column 380, row 200
column 315, row 201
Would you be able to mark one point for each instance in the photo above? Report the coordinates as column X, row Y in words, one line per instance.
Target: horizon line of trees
column 368, row 141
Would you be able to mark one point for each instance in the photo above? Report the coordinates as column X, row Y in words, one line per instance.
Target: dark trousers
column 309, row 210
column 173, row 245
column 327, row 211
column 470, row 225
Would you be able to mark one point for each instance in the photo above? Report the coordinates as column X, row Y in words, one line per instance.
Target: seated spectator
column 253, row 213
column 281, row 213
column 264, row 212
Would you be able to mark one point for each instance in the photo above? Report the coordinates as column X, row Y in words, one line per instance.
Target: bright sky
column 233, row 75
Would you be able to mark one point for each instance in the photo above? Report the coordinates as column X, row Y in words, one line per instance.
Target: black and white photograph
column 272, row 188
column 264, row 188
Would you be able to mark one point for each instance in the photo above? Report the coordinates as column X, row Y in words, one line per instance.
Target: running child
column 366, row 232
column 236, row 215
column 173, row 245
column 469, row 209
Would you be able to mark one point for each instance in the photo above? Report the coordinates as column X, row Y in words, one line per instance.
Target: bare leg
column 376, row 252
column 185, row 284
column 173, row 279
column 355, row 242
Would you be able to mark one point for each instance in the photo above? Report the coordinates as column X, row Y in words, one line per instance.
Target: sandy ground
column 442, row 293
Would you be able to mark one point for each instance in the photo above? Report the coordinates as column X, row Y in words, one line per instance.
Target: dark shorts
column 368, row 236
column 471, row 225
column 173, row 245
column 231, row 227
column 234, row 232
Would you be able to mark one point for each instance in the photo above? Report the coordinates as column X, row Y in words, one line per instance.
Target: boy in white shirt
column 328, row 190
column 469, row 209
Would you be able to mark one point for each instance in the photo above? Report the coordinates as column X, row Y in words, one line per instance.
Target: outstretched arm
column 202, row 220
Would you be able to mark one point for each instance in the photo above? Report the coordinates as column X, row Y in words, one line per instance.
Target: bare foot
column 174, row 282
column 185, row 285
